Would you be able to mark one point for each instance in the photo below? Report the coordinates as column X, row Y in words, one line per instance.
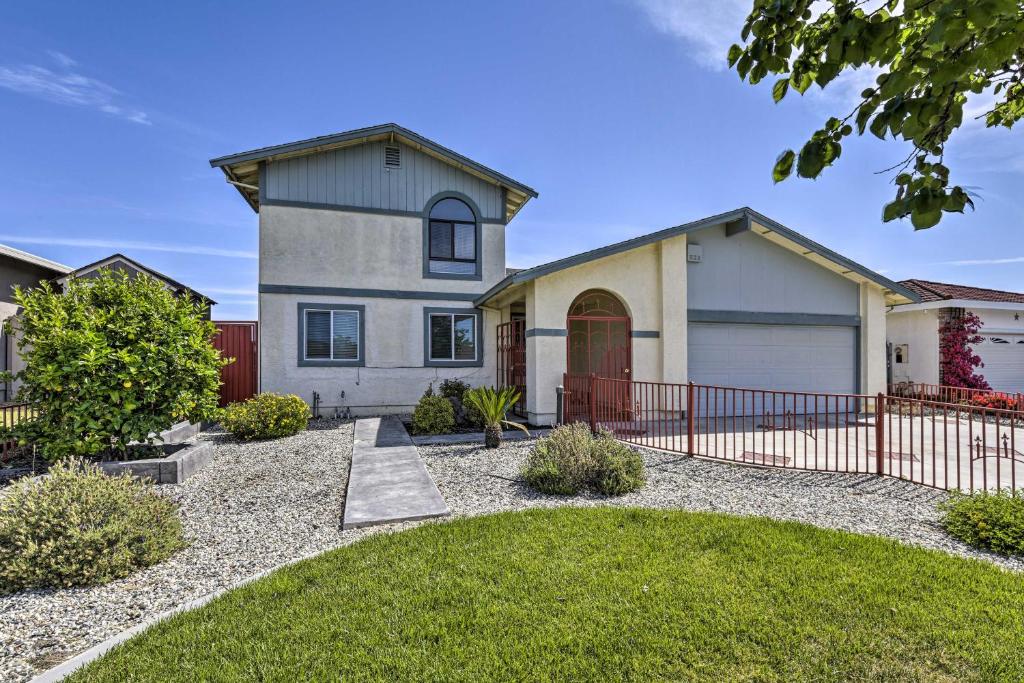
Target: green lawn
column 576, row 594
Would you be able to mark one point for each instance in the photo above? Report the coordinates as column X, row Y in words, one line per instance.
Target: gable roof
column 26, row 257
column 942, row 291
column 742, row 219
column 242, row 169
column 178, row 287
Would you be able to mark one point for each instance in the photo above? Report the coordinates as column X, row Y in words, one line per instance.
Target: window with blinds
column 332, row 335
column 453, row 336
column 452, row 238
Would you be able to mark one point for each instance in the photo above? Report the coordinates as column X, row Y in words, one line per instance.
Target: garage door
column 1003, row 356
column 778, row 357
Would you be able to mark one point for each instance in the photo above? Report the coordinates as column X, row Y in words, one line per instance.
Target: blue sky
column 619, row 113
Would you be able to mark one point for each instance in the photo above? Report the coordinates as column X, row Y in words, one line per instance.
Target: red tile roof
column 939, row 291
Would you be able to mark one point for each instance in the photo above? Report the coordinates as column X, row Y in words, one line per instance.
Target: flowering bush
column 995, row 402
column 266, row 416
column 958, row 361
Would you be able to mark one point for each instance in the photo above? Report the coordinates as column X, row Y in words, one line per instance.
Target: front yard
column 263, row 503
column 610, row 594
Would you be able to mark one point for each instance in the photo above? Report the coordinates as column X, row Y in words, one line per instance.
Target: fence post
column 689, row 418
column 559, row 404
column 879, row 434
column 592, row 401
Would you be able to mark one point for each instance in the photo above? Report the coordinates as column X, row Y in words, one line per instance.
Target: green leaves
column 783, row 166
column 780, row 89
column 933, row 56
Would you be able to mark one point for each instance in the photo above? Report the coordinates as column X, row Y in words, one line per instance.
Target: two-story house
column 382, row 269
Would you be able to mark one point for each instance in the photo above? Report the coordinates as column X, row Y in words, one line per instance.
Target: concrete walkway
column 388, row 481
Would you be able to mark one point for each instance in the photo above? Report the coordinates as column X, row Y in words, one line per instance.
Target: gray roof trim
column 743, row 214
column 26, row 257
column 118, row 256
column 352, row 135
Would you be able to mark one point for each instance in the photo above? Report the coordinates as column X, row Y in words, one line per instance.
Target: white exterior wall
column 919, row 330
column 346, row 249
column 649, row 280
column 872, row 340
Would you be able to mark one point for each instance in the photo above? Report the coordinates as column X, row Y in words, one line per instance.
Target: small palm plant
column 494, row 406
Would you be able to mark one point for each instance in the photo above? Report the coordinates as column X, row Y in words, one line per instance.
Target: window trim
column 359, row 361
column 478, row 361
column 477, row 274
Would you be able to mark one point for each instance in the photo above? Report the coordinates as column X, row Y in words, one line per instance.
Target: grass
column 600, row 594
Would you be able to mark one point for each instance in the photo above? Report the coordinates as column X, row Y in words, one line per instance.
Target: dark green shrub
column 618, row 469
column 266, row 416
column 110, row 361
column 571, row 459
column 562, row 462
column 433, row 415
column 80, row 527
column 471, row 414
column 989, row 520
column 453, row 388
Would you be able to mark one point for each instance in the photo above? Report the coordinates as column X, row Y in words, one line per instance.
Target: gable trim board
column 96, row 265
column 364, row 209
column 243, row 170
column 760, row 224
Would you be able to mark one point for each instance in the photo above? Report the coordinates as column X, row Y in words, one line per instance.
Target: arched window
column 452, row 247
column 597, row 303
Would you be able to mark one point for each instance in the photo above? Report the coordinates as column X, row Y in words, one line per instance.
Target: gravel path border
column 260, row 505
column 474, row 481
column 256, row 506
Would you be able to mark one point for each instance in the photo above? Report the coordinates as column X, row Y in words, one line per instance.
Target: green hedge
column 988, row 520
column 266, row 416
column 79, row 527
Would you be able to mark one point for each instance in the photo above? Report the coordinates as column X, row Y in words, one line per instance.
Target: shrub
column 79, row 526
column 266, row 416
column 111, row 360
column 471, row 414
column 493, row 405
column 562, row 462
column 994, row 402
column 571, row 459
column 433, row 415
column 989, row 520
column 453, row 388
column 618, row 468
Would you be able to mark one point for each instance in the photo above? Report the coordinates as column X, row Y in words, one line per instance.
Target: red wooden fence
column 238, row 340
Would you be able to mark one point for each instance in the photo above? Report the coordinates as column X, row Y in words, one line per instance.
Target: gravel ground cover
column 255, row 506
column 260, row 504
column 474, row 481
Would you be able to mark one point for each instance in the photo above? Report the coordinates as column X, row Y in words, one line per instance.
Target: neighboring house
column 18, row 268
column 914, row 333
column 122, row 264
column 28, row 270
column 382, row 269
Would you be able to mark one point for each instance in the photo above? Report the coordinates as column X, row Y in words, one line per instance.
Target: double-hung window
column 452, row 337
column 331, row 334
column 452, row 239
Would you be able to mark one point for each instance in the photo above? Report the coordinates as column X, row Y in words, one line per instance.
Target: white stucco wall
column 393, row 378
column 919, row 330
column 326, row 248
column 342, row 249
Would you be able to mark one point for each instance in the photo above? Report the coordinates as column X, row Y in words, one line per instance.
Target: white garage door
column 1003, row 356
column 779, row 357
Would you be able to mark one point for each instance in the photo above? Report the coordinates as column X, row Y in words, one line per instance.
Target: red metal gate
column 512, row 360
column 238, row 340
column 598, row 347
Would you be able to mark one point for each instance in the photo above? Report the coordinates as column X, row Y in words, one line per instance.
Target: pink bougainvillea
column 958, row 360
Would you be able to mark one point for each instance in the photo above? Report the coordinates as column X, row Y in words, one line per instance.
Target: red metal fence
column 938, row 444
column 946, row 394
column 238, row 340
column 512, row 360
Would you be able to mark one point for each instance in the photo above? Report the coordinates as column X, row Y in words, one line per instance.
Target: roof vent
column 392, row 156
